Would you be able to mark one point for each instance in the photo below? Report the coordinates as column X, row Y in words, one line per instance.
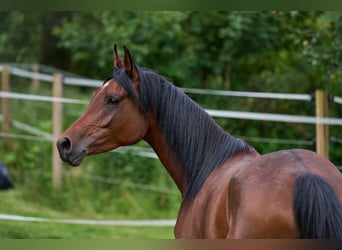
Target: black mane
column 192, row 135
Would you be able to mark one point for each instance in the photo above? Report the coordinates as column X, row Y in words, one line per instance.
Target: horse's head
column 112, row 119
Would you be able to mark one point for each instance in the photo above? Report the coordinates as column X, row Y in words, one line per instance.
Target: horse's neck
column 156, row 140
column 187, row 140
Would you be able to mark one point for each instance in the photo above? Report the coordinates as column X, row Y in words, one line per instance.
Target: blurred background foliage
column 271, row 51
column 201, row 49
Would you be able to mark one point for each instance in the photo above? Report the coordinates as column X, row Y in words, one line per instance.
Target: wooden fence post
column 5, row 104
column 322, row 133
column 57, row 110
column 35, row 80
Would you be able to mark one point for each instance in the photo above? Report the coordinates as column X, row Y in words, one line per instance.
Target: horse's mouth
column 77, row 160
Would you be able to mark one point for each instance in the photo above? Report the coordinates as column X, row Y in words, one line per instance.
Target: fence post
column 35, row 80
column 5, row 104
column 57, row 107
column 322, row 133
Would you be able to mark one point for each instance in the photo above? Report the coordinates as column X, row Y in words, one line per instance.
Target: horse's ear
column 117, row 61
column 130, row 67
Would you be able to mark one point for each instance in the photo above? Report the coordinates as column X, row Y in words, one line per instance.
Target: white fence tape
column 284, row 96
column 337, row 99
column 31, row 75
column 82, row 82
column 12, row 95
column 85, row 82
column 212, row 112
column 273, row 117
column 127, row 223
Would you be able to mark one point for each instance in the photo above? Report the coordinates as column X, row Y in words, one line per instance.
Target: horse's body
column 229, row 190
column 251, row 196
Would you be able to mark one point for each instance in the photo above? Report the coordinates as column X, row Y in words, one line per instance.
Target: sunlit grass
column 39, row 230
column 13, row 202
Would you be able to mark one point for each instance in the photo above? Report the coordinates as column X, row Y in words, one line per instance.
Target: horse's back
column 284, row 166
column 261, row 194
column 302, row 161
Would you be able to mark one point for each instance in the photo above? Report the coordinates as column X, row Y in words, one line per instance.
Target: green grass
column 13, row 202
column 47, row 230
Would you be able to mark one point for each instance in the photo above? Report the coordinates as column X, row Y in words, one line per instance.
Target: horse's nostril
column 66, row 144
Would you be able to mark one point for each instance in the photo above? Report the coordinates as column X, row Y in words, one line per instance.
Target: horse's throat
column 173, row 166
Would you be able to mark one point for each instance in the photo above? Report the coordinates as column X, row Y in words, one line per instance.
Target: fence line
column 337, row 99
column 286, row 96
column 274, row 117
column 127, row 223
column 30, row 129
column 85, row 82
column 145, row 152
column 13, row 95
column 31, row 75
column 82, row 82
column 278, row 140
column 124, row 183
column 41, row 68
column 336, row 140
column 212, row 112
column 23, row 137
column 140, row 151
column 49, row 78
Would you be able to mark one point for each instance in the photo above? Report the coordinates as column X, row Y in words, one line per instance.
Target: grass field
column 41, row 230
column 12, row 202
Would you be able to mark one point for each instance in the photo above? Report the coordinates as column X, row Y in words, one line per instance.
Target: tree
column 20, row 36
column 192, row 48
column 26, row 37
column 322, row 45
column 153, row 36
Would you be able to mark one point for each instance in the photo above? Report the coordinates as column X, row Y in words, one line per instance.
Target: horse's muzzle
column 72, row 157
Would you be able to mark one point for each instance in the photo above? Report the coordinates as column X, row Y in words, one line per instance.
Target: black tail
column 317, row 208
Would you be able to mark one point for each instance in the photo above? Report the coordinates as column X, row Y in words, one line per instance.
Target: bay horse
column 228, row 189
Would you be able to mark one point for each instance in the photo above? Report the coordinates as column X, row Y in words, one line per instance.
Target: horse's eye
column 113, row 100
